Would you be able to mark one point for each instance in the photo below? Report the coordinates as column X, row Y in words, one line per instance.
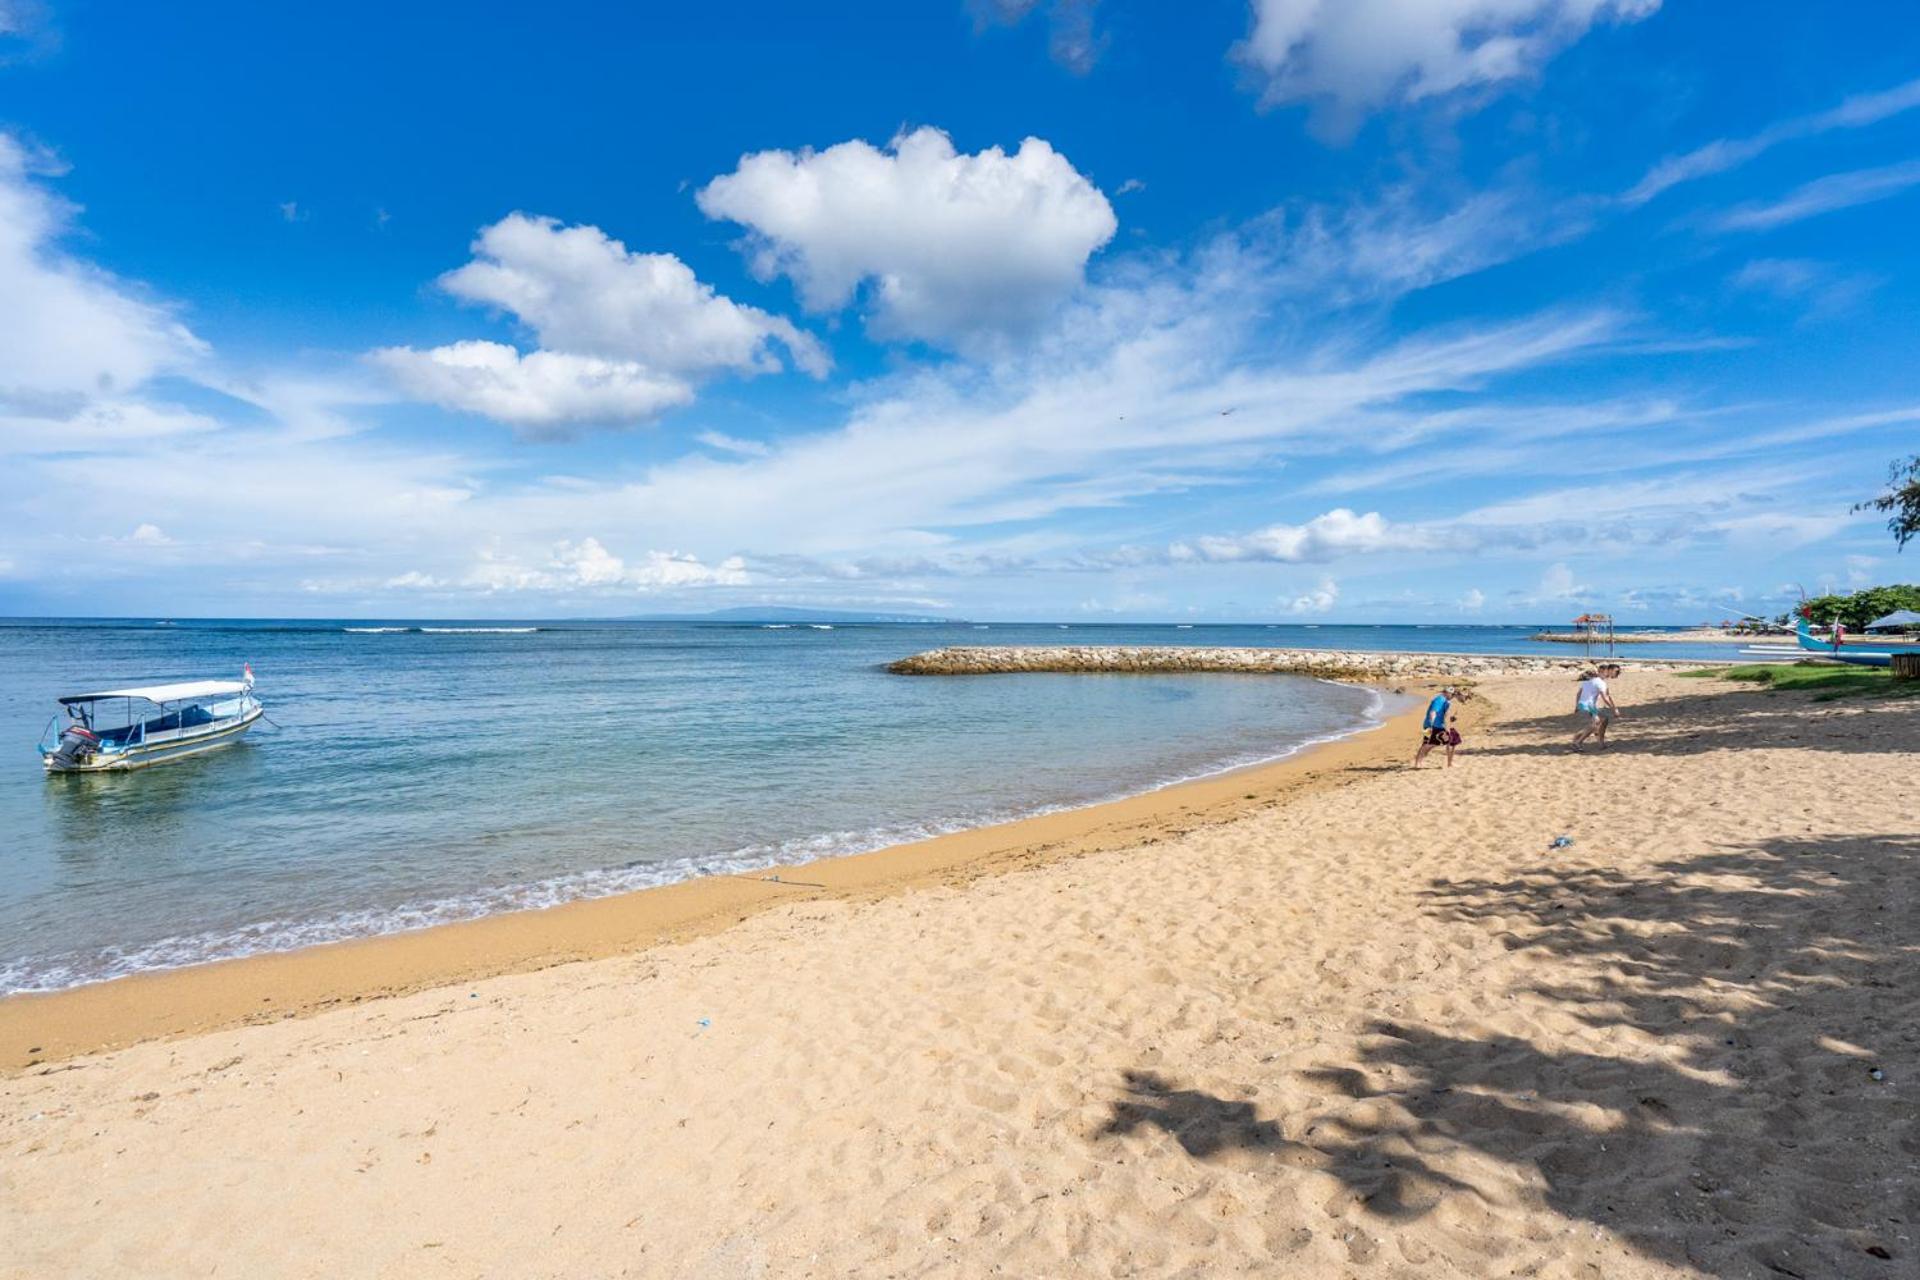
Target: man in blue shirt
column 1434, row 729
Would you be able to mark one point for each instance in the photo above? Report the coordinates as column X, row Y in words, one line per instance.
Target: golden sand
column 1366, row 1022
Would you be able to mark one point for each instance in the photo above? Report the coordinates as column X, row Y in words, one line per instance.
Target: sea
column 412, row 773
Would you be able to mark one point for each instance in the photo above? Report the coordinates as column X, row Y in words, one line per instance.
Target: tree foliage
column 1902, row 500
column 1861, row 607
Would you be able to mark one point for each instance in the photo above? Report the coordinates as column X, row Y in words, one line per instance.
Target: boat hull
column 1841, row 653
column 1864, row 659
column 146, row 755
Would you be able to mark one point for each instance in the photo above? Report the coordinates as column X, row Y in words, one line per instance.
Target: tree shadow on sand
column 1719, row 721
column 1392, row 1185
column 1736, row 1103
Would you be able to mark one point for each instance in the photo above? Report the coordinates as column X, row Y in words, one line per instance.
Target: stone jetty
column 1339, row 664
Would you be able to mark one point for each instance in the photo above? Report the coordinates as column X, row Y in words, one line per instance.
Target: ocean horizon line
column 576, row 620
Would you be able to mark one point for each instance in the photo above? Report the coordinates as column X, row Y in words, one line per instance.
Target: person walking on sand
column 1595, row 702
column 1434, row 730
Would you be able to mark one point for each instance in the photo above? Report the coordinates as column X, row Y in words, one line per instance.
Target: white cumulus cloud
column 1559, row 583
column 1336, row 533
column 622, row 336
column 1348, row 57
column 674, row 569
column 1319, row 600
column 588, row 564
column 542, row 392
column 583, row 292
column 954, row 246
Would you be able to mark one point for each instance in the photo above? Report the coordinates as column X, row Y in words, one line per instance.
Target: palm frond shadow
column 1730, row 1122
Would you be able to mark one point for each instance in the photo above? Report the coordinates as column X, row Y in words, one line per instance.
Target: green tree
column 1902, row 499
column 1822, row 610
column 1861, row 607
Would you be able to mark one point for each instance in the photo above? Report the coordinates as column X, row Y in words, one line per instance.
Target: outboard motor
column 77, row 746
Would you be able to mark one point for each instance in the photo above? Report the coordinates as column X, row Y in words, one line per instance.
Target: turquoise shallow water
column 420, row 776
column 424, row 772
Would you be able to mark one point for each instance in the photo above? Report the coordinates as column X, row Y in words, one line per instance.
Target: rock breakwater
column 1336, row 664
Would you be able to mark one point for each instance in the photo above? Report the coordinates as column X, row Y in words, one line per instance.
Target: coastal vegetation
column 1901, row 500
column 1858, row 608
column 1824, row 681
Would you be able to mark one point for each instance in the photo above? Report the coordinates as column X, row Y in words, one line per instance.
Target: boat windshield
column 124, row 720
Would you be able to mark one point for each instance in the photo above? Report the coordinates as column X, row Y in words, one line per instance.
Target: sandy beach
column 1330, row 1018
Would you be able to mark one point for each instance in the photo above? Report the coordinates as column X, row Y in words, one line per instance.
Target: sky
column 1292, row 311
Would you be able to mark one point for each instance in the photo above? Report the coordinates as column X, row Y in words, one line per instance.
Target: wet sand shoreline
column 38, row 1028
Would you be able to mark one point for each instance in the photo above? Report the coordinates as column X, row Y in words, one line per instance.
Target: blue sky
column 1386, row 310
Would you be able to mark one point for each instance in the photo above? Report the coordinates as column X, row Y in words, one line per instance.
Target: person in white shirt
column 1596, row 703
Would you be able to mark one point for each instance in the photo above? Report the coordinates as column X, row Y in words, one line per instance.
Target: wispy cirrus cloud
column 1724, row 154
column 26, row 30
column 68, row 330
column 1155, row 384
column 1822, row 195
column 1071, row 38
column 1819, row 289
column 1151, row 379
column 1398, row 241
column 1697, row 508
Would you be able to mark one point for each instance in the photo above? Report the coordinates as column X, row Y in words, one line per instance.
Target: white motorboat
column 117, row 729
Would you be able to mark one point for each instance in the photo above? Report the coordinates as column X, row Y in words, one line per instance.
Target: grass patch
column 1825, row 682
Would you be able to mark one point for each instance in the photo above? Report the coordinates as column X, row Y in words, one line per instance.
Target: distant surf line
column 442, row 631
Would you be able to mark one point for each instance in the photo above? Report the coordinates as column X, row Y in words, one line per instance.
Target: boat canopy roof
column 185, row 691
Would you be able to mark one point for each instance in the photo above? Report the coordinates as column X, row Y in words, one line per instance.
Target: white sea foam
column 479, row 631
column 376, row 631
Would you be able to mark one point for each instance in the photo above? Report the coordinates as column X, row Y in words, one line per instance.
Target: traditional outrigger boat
column 1838, row 651
column 190, row 717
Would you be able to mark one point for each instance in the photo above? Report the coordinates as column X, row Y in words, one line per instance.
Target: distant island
column 781, row 613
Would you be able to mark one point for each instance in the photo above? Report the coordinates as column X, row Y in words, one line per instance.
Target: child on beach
column 1595, row 702
column 1435, row 731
